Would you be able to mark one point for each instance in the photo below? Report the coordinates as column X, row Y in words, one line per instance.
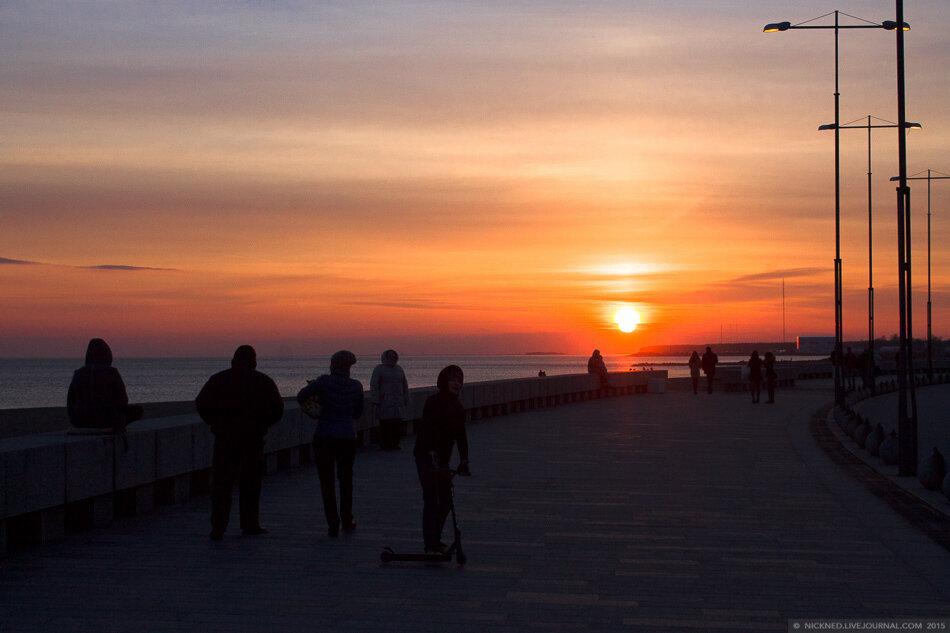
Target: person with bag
column 334, row 440
column 389, row 393
column 441, row 428
column 240, row 404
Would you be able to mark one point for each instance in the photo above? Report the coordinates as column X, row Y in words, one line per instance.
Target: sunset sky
column 180, row 177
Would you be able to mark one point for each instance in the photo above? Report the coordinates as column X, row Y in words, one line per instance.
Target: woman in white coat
column 389, row 393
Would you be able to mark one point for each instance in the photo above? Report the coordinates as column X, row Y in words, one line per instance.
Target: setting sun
column 627, row 319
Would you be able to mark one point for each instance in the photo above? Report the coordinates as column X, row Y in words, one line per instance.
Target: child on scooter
column 442, row 426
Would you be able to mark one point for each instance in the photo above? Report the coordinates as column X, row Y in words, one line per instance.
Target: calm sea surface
column 35, row 382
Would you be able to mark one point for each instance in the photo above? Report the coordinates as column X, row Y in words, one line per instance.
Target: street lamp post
column 928, row 178
column 906, row 395
column 869, row 126
column 786, row 26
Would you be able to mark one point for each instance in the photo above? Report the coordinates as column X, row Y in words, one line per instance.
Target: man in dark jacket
column 97, row 396
column 240, row 404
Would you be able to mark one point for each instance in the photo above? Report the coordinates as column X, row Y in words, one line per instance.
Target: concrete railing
column 53, row 483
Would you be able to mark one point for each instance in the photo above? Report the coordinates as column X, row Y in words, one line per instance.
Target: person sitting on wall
column 596, row 365
column 97, row 398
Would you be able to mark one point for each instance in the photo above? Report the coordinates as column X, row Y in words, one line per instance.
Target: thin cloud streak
column 124, row 267
column 16, row 262
column 790, row 273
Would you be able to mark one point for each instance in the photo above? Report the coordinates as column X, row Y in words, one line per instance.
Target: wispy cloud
column 16, row 262
column 118, row 267
column 125, row 267
column 780, row 274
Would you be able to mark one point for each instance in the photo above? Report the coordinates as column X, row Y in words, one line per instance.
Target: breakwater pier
column 662, row 511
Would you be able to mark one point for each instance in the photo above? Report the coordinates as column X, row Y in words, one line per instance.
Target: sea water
column 26, row 383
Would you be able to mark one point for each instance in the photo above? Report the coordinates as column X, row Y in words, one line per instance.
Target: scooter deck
column 389, row 555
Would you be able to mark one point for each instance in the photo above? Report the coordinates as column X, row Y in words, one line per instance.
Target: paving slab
column 655, row 512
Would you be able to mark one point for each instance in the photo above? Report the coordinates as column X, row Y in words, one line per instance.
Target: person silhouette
column 770, row 376
column 334, row 440
column 97, row 398
column 709, row 362
column 755, row 376
column 597, row 366
column 389, row 393
column 850, row 369
column 441, row 428
column 240, row 404
column 695, row 364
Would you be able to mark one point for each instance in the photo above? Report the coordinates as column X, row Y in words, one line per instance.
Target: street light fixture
column 786, row 26
column 928, row 178
column 869, row 126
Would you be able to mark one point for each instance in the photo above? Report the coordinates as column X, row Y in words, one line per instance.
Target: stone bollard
column 861, row 433
column 872, row 443
column 931, row 470
column 851, row 424
column 890, row 449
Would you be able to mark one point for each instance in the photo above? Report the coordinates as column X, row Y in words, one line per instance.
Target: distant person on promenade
column 695, row 364
column 755, row 376
column 769, row 366
column 710, row 360
column 240, row 404
column 97, row 397
column 850, row 369
column 868, row 369
column 334, row 440
column 441, row 428
column 389, row 393
column 596, row 365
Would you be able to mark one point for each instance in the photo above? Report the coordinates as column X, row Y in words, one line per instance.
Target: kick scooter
column 455, row 549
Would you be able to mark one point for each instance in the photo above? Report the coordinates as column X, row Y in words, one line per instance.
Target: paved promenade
column 660, row 512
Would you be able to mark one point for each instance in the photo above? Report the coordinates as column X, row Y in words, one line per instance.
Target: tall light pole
column 786, row 26
column 906, row 396
column 928, row 178
column 869, row 125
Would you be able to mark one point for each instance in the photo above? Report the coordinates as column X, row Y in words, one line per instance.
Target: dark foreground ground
column 662, row 512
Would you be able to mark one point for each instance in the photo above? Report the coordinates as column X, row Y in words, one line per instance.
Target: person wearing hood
column 441, row 428
column 389, row 393
column 240, row 404
column 334, row 440
column 597, row 366
column 97, row 397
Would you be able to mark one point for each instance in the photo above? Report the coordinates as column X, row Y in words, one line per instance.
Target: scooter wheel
column 386, row 555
